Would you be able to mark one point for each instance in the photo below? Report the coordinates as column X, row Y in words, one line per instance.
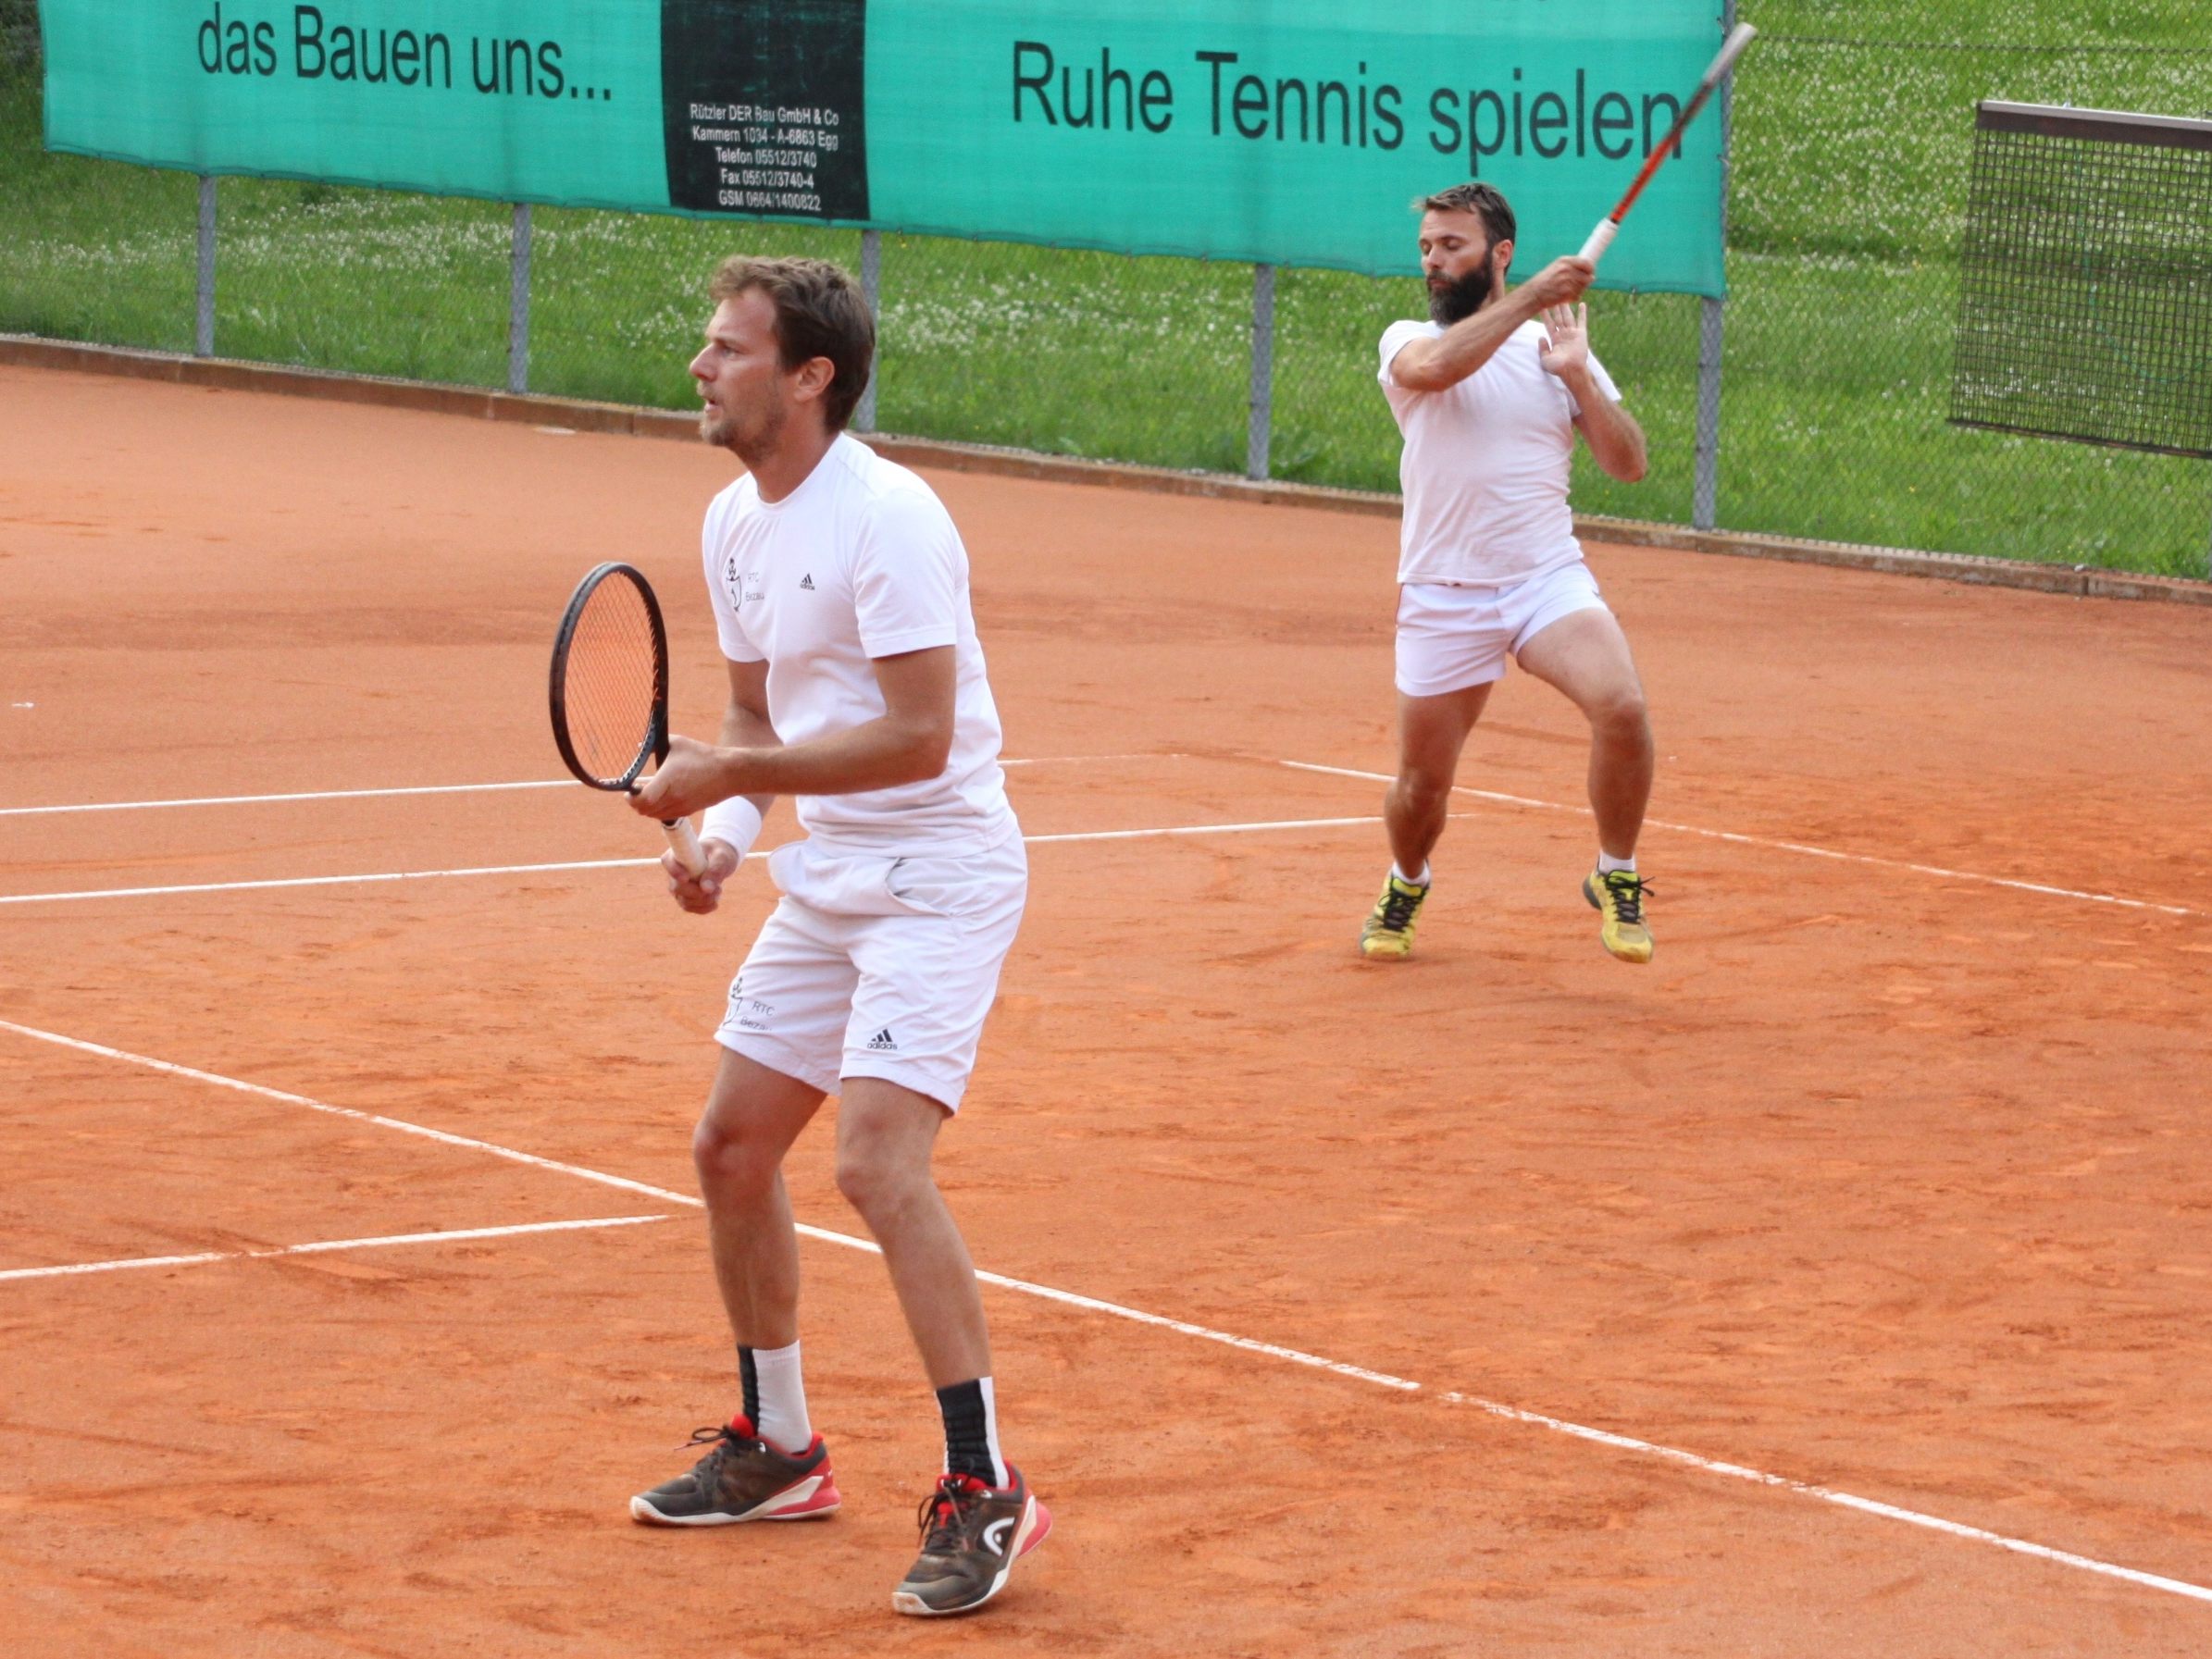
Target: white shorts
column 874, row 966
column 1450, row 639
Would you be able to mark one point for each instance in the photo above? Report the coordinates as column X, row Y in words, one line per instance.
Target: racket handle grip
column 1600, row 239
column 684, row 839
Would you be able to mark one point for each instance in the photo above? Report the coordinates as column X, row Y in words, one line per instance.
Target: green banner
column 1284, row 132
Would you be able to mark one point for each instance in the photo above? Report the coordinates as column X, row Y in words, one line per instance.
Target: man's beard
column 1462, row 298
column 724, row 430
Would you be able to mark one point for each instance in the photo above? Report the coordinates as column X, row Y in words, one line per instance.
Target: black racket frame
column 655, row 747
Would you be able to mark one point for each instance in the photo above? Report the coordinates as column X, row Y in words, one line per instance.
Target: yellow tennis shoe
column 1618, row 896
column 1388, row 931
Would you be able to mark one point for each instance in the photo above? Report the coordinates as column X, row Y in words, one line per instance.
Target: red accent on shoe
column 1037, row 1534
column 827, row 1496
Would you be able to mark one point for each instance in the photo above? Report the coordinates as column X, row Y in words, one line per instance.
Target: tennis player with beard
column 839, row 589
column 1489, row 395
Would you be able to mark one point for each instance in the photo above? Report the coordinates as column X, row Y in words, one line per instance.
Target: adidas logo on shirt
column 807, row 582
column 881, row 1042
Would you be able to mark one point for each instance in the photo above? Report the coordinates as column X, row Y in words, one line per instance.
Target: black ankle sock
column 967, row 1414
column 750, row 1377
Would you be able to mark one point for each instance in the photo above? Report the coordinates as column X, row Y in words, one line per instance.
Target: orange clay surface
column 1887, row 1179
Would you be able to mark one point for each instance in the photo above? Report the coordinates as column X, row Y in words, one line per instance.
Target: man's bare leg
column 982, row 1516
column 885, row 1137
column 774, row 1466
column 1585, row 655
column 1431, row 733
column 752, row 1116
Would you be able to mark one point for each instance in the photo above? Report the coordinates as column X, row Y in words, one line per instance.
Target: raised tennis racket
column 610, row 689
column 1731, row 49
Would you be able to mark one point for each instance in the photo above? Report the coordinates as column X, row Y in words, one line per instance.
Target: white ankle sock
column 1418, row 881
column 782, row 1399
column 1607, row 863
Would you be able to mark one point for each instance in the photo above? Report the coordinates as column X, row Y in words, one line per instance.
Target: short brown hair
column 1486, row 201
column 820, row 312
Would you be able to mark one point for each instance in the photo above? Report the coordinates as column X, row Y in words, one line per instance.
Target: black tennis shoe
column 742, row 1477
column 972, row 1535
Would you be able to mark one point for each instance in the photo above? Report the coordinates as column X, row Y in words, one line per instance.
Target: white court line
column 1203, row 829
column 1825, row 1495
column 1082, row 760
column 551, row 783
column 254, row 800
column 1798, row 846
column 1090, row 1303
column 400, row 1125
column 456, row 1236
column 420, row 875
column 326, row 881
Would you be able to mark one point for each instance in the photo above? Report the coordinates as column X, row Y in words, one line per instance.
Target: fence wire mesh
column 2085, row 285
column 1851, row 164
column 1849, row 183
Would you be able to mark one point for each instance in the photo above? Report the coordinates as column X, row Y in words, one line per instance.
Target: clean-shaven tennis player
column 856, row 685
column 1489, row 394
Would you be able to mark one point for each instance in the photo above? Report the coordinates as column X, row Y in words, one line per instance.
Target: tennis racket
column 610, row 690
column 1731, row 49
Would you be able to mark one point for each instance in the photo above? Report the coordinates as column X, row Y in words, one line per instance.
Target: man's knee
column 875, row 1180
column 1422, row 789
column 733, row 1155
column 1621, row 715
column 883, row 1165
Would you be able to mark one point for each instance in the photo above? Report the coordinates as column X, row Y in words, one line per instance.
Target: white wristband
column 736, row 821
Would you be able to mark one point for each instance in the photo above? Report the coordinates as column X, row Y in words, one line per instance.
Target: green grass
column 618, row 299
column 1850, row 169
column 1839, row 431
column 89, row 249
column 1864, row 152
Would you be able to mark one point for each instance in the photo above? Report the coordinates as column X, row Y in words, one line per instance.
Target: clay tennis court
column 1879, row 1205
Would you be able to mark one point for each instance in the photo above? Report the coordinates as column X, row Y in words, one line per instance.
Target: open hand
column 1566, row 341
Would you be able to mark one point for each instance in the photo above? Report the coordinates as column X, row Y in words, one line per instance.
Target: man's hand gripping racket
column 610, row 691
column 1731, row 49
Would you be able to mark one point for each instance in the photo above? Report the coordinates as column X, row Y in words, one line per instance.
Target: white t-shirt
column 861, row 561
column 1485, row 465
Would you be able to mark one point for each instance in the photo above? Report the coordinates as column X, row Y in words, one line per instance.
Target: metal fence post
column 1705, row 492
column 871, row 288
column 203, row 333
column 1705, row 496
column 1258, row 430
column 518, row 303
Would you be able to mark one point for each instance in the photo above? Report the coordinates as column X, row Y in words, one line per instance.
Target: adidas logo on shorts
column 881, row 1043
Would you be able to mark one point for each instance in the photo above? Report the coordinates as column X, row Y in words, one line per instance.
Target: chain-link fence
column 1849, row 181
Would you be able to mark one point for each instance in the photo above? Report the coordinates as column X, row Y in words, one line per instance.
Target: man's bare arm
column 745, row 723
column 1442, row 363
column 1616, row 440
column 908, row 741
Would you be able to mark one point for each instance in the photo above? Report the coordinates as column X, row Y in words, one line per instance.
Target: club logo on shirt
column 745, row 589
